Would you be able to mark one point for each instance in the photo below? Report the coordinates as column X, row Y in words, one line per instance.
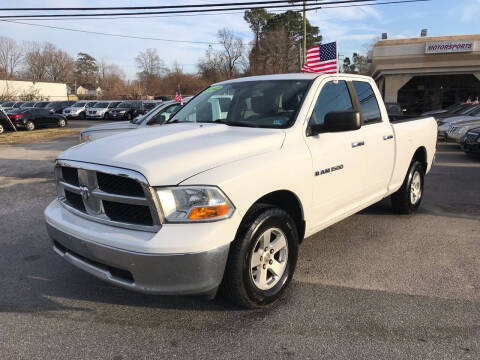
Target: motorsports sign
column 448, row 47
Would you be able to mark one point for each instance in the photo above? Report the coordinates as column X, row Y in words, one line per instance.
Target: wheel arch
column 288, row 201
column 421, row 156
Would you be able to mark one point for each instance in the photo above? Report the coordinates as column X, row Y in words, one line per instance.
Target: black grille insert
column 127, row 213
column 75, row 200
column 70, row 175
column 114, row 184
column 116, row 272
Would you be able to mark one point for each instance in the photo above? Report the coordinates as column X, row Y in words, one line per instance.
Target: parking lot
column 374, row 286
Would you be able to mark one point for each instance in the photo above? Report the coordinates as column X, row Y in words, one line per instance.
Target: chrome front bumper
column 169, row 274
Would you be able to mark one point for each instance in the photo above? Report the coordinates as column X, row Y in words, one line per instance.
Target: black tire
column 106, row 116
column 30, row 125
column 238, row 283
column 82, row 116
column 129, row 116
column 62, row 123
column 402, row 201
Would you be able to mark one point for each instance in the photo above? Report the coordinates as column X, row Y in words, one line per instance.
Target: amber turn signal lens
column 208, row 212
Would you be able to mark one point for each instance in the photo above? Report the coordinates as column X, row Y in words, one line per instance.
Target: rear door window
column 369, row 110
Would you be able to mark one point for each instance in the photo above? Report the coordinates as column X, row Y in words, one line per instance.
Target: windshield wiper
column 231, row 123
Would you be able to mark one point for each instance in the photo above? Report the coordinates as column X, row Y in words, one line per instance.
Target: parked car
column 203, row 202
column 450, row 109
column 459, row 111
column 458, row 130
column 27, row 104
column 8, row 105
column 41, row 104
column 18, row 104
column 127, row 110
column 470, row 142
column 78, row 110
column 32, row 118
column 57, row 107
column 101, row 110
column 445, row 124
column 156, row 116
column 5, row 124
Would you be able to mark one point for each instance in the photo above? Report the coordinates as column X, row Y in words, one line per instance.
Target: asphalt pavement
column 374, row 286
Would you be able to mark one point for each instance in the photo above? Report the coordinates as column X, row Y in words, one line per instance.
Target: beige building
column 428, row 72
column 33, row 90
column 86, row 91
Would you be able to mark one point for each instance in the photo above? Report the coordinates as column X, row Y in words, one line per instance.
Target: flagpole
column 304, row 33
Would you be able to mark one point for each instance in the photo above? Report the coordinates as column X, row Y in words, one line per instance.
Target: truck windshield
column 267, row 104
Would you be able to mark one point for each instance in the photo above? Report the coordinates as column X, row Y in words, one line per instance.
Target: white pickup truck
column 222, row 200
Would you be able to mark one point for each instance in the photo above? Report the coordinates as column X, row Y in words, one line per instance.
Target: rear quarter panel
column 409, row 137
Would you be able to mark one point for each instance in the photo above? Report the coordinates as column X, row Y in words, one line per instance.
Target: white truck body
column 332, row 175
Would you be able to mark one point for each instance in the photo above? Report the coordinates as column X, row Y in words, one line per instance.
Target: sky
column 354, row 28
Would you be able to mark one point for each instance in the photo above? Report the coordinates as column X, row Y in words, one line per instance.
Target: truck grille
column 109, row 195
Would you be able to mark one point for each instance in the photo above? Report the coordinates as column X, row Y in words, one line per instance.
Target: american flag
column 178, row 95
column 322, row 58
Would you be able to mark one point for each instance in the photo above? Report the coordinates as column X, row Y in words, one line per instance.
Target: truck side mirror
column 348, row 120
column 336, row 121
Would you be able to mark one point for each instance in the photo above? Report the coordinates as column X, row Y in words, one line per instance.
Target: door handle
column 358, row 143
column 387, row 137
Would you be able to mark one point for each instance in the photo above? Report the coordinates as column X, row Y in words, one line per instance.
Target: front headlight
column 194, row 204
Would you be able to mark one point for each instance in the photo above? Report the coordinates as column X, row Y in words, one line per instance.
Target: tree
column 286, row 28
column 150, row 69
column 86, row 69
column 257, row 19
column 358, row 65
column 226, row 62
column 347, row 66
column 111, row 80
column 45, row 62
column 11, row 55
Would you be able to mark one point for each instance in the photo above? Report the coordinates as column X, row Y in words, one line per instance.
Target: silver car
column 156, row 116
column 78, row 110
column 101, row 110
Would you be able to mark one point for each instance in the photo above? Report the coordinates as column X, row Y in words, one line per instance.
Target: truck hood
column 119, row 125
column 169, row 154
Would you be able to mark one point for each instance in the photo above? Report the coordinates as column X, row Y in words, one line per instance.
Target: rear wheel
column 82, row 116
column 2, row 129
column 30, row 125
column 262, row 258
column 106, row 116
column 407, row 199
column 61, row 123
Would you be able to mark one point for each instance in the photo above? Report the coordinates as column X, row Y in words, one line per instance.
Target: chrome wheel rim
column 30, row 126
column 268, row 259
column 62, row 123
column 415, row 188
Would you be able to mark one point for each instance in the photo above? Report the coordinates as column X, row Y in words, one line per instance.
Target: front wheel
column 407, row 199
column 106, row 116
column 262, row 258
column 61, row 123
column 129, row 116
column 2, row 129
